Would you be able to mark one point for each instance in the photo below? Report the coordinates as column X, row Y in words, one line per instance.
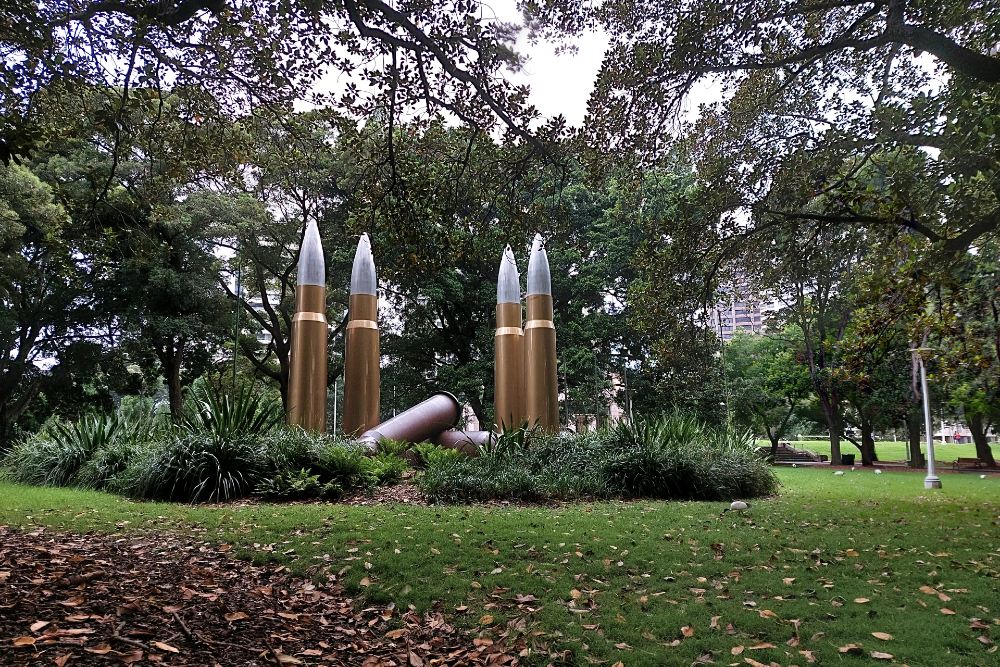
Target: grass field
column 888, row 450
column 825, row 564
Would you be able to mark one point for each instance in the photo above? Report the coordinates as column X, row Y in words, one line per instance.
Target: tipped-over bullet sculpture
column 307, row 372
column 508, row 350
column 541, row 391
column 361, row 357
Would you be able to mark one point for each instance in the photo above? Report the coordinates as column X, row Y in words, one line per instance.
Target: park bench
column 968, row 463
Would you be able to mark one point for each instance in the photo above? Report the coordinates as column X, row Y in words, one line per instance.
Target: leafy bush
column 108, row 462
column 53, row 456
column 344, row 463
column 298, row 485
column 673, row 457
column 196, row 467
column 429, row 454
column 229, row 416
column 383, row 469
column 394, row 447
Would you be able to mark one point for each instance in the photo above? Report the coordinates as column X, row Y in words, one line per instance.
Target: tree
column 805, row 86
column 766, row 380
column 44, row 297
column 439, row 57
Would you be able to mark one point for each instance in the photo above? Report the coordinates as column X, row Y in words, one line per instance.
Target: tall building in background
column 739, row 312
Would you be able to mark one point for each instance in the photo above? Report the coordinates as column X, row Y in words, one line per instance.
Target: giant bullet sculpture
column 541, row 391
column 508, row 350
column 361, row 356
column 307, row 372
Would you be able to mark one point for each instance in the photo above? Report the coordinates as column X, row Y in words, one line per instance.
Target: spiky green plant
column 228, row 416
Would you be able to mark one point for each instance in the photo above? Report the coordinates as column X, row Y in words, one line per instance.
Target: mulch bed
column 70, row 599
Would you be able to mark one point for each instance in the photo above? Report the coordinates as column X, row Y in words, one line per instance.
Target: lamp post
column 931, row 481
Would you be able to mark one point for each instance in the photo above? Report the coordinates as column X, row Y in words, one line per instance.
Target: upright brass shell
column 361, row 365
column 541, row 388
column 307, row 359
column 508, row 367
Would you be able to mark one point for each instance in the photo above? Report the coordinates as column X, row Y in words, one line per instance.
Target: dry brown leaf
column 285, row 659
column 134, row 656
column 788, row 581
column 879, row 655
column 575, row 594
column 767, row 613
column 851, row 649
column 736, row 650
column 944, row 597
column 24, row 641
column 928, row 590
column 166, row 647
column 486, row 619
column 947, row 612
column 884, row 636
column 761, row 646
column 100, row 649
column 687, row 631
column 862, row 600
column 714, row 625
column 38, row 625
column 808, row 655
column 753, row 663
column 61, row 660
column 236, row 616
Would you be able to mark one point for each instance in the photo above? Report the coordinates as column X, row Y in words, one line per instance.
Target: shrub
column 383, row 469
column 429, row 454
column 673, row 457
column 298, row 485
column 227, row 416
column 53, row 456
column 394, row 447
column 108, row 462
column 196, row 467
column 343, row 463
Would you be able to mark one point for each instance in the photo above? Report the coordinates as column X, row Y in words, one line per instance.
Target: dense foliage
column 673, row 457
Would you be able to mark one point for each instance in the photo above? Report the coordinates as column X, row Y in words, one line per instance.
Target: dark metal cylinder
column 421, row 423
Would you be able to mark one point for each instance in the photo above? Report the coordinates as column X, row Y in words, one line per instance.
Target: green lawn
column 888, row 450
column 829, row 561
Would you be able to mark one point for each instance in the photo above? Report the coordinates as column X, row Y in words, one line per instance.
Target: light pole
column 931, row 481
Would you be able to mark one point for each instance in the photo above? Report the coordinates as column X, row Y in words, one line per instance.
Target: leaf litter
column 173, row 600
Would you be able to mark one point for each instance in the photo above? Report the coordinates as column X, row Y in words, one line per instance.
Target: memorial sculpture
column 525, row 359
column 361, row 353
column 307, row 362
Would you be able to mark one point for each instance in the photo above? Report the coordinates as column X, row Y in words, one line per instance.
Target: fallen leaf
column 884, row 636
column 788, row 581
column 862, row 600
column 753, row 663
column 759, row 647
column 24, row 641
column 100, row 649
column 61, row 660
column 236, row 616
column 365, row 582
column 879, row 655
column 767, row 613
column 947, row 612
column 486, row 619
column 622, row 646
column 129, row 658
column 851, row 649
column 808, row 655
column 575, row 594
column 927, row 589
column 38, row 625
column 396, row 634
column 286, row 659
column 166, row 647
column 736, row 650
column 687, row 631
column 714, row 625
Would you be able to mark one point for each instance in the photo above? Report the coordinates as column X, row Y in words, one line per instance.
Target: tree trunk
column 477, row 408
column 916, row 458
column 835, row 423
column 171, row 357
column 978, row 428
column 868, row 456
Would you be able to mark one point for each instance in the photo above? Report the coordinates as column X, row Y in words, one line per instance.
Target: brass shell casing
column 508, row 368
column 361, row 365
column 541, row 389
column 307, row 359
